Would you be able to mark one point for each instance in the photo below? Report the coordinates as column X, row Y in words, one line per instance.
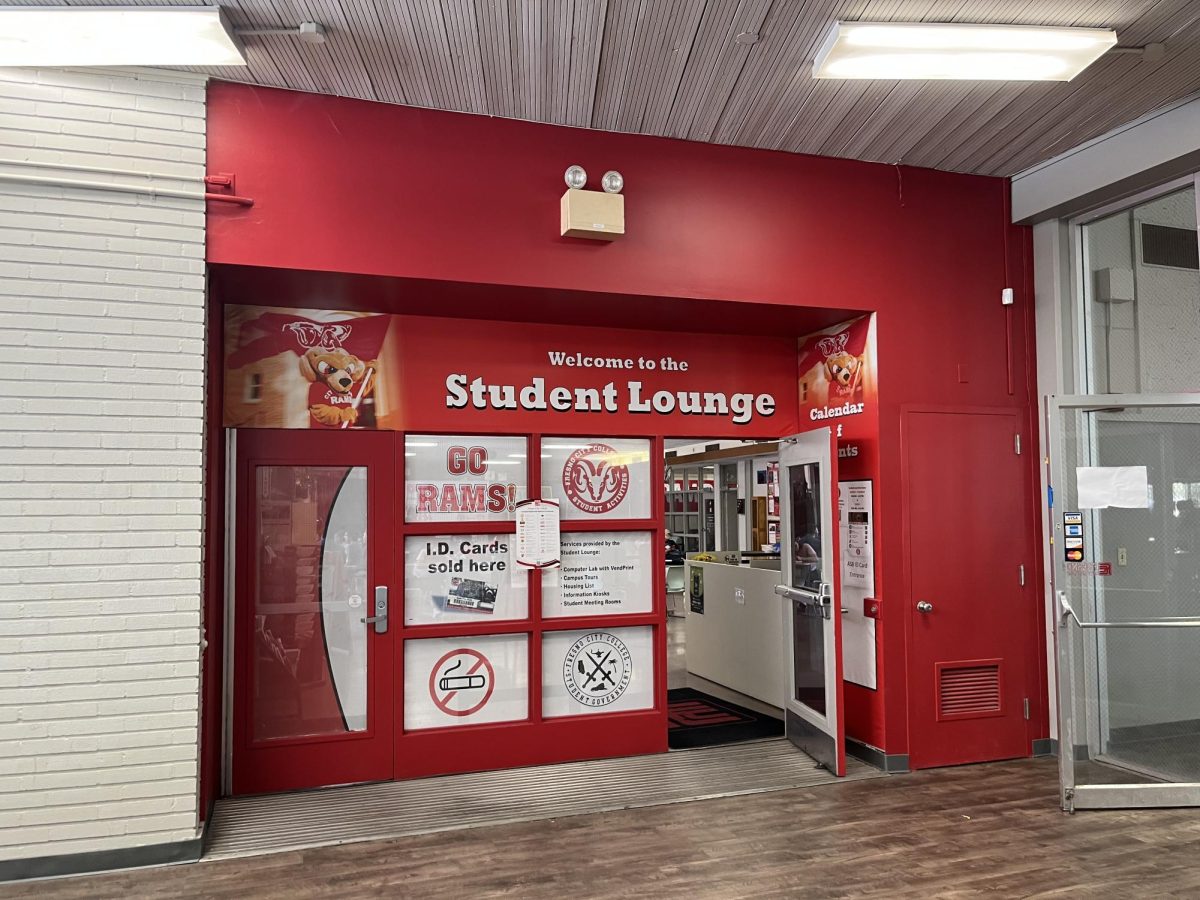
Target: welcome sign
column 296, row 368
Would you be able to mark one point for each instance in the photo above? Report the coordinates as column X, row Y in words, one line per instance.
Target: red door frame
column 535, row 740
column 286, row 764
column 438, row 751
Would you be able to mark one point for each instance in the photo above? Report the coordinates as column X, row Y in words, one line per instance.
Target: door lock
column 380, row 619
column 924, row 606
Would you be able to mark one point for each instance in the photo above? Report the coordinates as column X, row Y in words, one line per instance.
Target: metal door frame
column 1097, row 796
column 822, row 736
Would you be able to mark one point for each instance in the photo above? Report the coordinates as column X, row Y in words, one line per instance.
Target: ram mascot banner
column 304, row 368
column 838, row 374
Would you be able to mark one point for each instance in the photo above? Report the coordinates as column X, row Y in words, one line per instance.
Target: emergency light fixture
column 917, row 50
column 576, row 178
column 598, row 215
column 117, row 36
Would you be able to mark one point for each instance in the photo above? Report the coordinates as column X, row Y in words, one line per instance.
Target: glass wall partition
column 1125, row 512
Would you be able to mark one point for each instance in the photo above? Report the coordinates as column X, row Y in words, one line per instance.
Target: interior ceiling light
column 901, row 50
column 117, row 36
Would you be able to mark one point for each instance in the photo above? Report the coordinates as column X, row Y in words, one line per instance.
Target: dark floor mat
column 697, row 719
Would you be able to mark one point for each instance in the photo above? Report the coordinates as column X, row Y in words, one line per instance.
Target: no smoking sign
column 462, row 682
column 458, row 681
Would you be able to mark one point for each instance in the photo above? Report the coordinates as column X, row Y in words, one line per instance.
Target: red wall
column 345, row 185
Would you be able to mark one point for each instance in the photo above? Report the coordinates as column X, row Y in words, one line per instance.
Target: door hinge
column 1017, row 443
column 1026, row 709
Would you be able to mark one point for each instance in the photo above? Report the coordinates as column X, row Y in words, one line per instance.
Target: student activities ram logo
column 594, row 480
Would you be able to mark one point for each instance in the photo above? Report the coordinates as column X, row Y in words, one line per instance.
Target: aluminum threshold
column 247, row 826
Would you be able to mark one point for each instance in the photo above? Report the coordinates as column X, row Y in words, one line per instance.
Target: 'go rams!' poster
column 304, row 368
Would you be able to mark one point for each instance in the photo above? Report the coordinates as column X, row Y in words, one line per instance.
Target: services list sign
column 602, row 573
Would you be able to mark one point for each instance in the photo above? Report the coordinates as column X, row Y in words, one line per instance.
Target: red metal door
column 967, row 535
column 313, row 682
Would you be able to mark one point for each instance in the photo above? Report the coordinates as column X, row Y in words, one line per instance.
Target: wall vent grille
column 969, row 689
column 1163, row 245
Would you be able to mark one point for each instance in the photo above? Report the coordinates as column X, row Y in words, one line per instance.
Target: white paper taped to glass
column 1100, row 487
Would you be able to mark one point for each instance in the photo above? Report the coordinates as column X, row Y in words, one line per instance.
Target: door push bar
column 379, row 620
column 821, row 602
column 1168, row 622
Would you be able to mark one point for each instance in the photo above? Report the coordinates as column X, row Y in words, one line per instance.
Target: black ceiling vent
column 1166, row 246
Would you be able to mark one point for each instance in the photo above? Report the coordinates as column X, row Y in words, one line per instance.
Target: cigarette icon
column 461, row 682
column 450, row 682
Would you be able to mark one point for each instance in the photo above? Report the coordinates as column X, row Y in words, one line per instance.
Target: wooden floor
column 977, row 830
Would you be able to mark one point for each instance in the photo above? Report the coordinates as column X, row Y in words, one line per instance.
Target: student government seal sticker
column 597, row 669
column 594, row 481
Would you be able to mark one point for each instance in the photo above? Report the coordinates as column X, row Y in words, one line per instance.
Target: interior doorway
column 725, row 657
column 754, row 636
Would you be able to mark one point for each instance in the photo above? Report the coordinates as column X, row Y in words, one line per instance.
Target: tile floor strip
column 246, row 826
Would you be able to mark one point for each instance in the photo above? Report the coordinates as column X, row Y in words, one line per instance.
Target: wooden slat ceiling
column 674, row 68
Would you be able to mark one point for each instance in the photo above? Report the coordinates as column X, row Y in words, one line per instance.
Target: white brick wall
column 102, row 334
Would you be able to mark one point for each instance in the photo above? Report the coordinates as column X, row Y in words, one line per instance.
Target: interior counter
column 735, row 629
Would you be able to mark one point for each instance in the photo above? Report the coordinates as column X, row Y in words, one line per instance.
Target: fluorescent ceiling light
column 899, row 50
column 117, row 36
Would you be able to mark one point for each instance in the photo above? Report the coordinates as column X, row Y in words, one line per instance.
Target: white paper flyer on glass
column 537, row 543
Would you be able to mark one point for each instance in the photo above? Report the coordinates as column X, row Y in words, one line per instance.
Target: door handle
column 380, row 619
column 924, row 606
column 823, row 593
column 806, row 598
column 821, row 602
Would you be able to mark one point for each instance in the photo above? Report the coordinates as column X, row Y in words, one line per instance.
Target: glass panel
column 309, row 668
column 597, row 671
column 729, row 504
column 1139, row 686
column 603, row 573
column 466, row 681
column 462, row 578
column 602, row 478
column 808, row 656
column 1142, row 286
column 808, row 625
column 804, row 484
column 710, row 523
column 463, row 478
column 708, row 507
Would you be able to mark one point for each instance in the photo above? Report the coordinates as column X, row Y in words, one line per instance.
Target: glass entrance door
column 312, row 653
column 812, row 608
column 1126, row 526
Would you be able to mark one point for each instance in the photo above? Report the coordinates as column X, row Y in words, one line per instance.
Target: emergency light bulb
column 575, row 178
column 612, row 182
